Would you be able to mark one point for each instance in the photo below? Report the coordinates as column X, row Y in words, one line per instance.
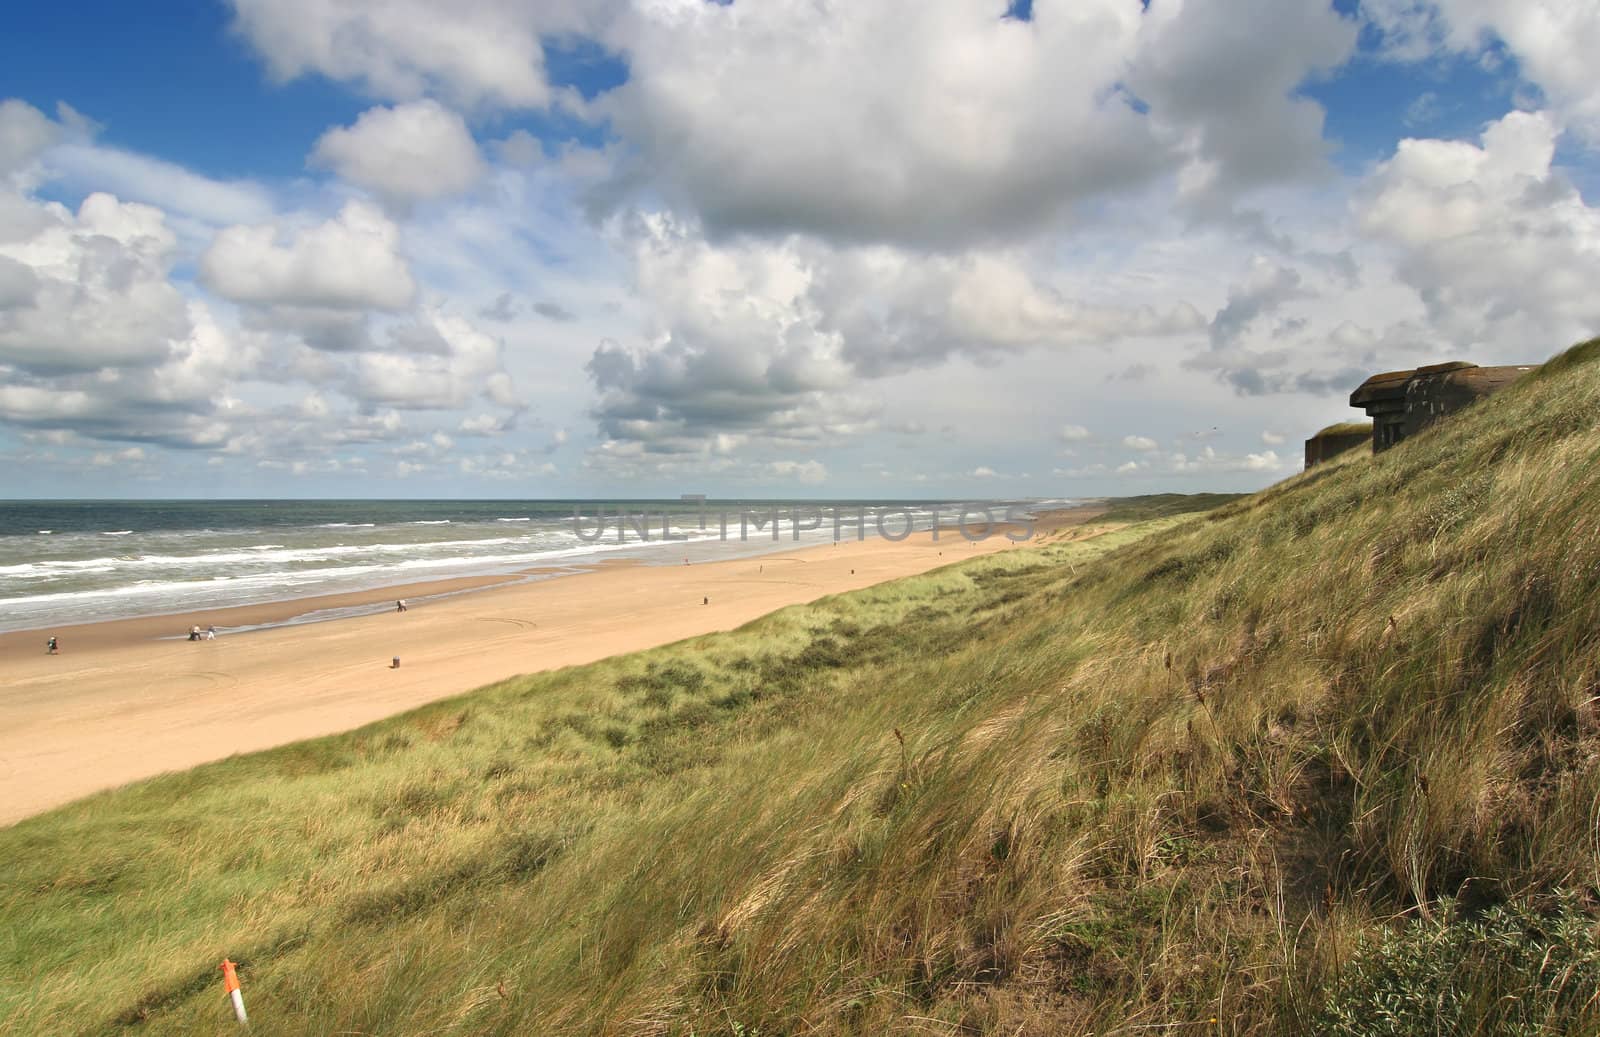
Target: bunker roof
column 1387, row 386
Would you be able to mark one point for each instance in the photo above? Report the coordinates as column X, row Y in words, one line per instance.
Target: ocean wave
column 429, row 522
column 346, row 525
column 558, row 541
column 524, row 519
column 115, row 532
column 460, row 550
column 165, row 591
column 36, row 570
column 65, row 566
column 282, row 583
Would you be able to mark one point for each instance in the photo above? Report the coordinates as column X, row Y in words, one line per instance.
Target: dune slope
column 1326, row 759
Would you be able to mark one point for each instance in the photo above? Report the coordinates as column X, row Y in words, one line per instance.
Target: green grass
column 1346, row 428
column 1317, row 755
column 1163, row 505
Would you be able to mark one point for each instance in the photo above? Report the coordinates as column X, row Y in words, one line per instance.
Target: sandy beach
column 129, row 699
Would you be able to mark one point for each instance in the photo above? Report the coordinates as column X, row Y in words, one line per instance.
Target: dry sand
column 125, row 700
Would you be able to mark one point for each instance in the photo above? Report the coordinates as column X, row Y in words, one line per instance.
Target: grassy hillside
column 1325, row 759
column 1163, row 505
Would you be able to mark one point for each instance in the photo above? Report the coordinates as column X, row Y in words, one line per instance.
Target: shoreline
column 235, row 621
column 121, row 702
column 247, row 616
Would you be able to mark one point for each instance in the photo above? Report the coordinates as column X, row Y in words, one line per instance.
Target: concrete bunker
column 1403, row 403
column 1335, row 440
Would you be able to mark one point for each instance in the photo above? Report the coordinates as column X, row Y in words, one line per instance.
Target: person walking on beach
column 400, row 606
column 52, row 646
column 211, row 632
column 194, row 632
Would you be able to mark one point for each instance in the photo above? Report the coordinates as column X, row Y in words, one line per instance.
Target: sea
column 65, row 562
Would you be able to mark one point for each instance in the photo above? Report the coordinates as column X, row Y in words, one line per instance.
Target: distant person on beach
column 400, row 606
column 52, row 646
column 705, row 601
column 395, row 665
column 211, row 632
column 194, row 633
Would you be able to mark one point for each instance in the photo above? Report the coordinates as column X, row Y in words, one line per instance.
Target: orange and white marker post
column 230, row 983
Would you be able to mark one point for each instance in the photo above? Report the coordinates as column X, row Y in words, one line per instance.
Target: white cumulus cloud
column 1553, row 41
column 350, row 261
column 24, row 133
column 1497, row 243
column 405, row 153
column 90, row 289
column 478, row 52
column 439, row 362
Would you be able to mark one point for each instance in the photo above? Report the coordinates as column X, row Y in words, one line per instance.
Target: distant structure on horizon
column 1403, row 403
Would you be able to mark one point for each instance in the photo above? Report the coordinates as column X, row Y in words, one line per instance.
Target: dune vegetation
column 1346, row 428
column 1325, row 759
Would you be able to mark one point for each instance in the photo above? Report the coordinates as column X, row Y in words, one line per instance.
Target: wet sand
column 129, row 699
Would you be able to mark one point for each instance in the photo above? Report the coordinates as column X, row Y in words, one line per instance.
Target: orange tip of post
column 230, row 977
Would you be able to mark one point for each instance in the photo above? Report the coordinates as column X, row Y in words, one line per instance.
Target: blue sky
column 1374, row 102
column 307, row 248
column 170, row 80
column 173, row 80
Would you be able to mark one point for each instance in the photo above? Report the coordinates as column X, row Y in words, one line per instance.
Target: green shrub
column 1512, row 970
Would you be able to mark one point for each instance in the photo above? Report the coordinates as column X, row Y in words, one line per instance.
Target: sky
column 790, row 248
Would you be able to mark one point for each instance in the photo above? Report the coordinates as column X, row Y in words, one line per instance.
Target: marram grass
column 1324, row 757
